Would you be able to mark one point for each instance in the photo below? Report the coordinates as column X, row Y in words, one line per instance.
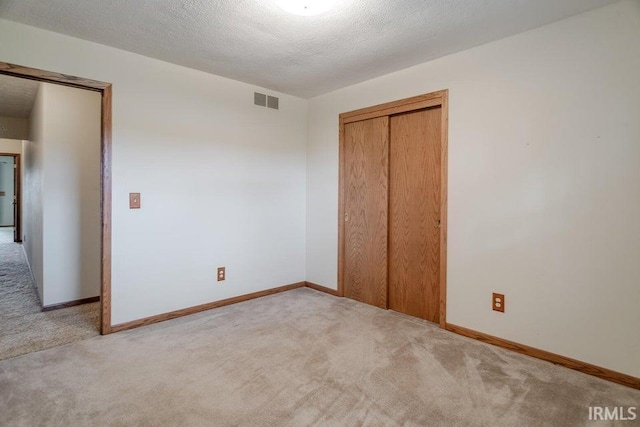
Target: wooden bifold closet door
column 392, row 199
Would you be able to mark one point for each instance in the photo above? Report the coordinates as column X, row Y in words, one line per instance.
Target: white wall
column 7, row 187
column 61, row 195
column 222, row 181
column 14, row 128
column 32, row 198
column 544, row 166
column 71, row 194
column 10, row 146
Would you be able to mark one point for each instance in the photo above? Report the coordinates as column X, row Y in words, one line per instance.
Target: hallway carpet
column 298, row 358
column 24, row 327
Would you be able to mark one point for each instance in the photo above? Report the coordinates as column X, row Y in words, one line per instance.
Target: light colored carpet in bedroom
column 296, row 358
column 24, row 327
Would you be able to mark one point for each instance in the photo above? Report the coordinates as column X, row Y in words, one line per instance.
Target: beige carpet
column 297, row 358
column 24, row 328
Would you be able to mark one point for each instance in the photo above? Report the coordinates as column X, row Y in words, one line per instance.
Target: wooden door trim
column 105, row 167
column 52, row 77
column 419, row 102
column 433, row 99
column 17, row 223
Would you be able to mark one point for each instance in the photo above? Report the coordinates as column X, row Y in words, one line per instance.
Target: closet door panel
column 414, row 213
column 366, row 181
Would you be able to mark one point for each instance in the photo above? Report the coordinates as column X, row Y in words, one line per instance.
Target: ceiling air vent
column 273, row 102
column 260, row 99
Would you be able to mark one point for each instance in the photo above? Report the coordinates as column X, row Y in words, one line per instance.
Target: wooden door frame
column 17, row 223
column 434, row 99
column 105, row 168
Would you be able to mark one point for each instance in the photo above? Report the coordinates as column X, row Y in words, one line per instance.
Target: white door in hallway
column 7, row 185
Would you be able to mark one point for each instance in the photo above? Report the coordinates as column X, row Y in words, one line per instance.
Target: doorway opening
column 104, row 90
column 10, row 196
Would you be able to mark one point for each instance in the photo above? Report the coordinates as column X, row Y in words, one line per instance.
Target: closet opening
column 393, row 206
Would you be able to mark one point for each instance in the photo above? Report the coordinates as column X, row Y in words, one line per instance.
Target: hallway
column 24, row 327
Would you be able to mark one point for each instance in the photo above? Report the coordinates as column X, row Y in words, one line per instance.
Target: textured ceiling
column 16, row 96
column 256, row 42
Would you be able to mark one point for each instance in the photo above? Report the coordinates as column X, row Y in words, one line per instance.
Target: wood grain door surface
column 392, row 218
column 414, row 213
column 366, row 150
